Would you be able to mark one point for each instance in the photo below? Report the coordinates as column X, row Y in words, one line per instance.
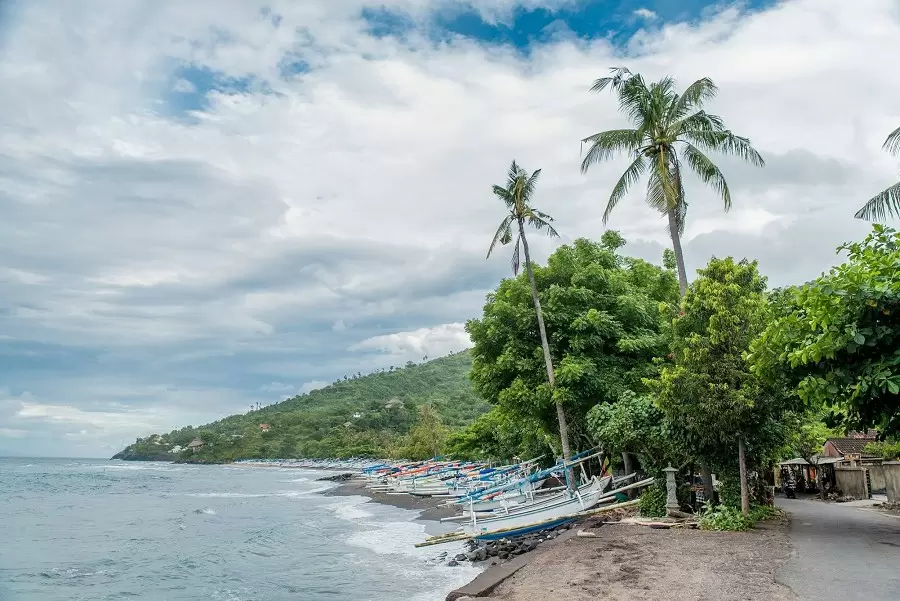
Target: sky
column 214, row 203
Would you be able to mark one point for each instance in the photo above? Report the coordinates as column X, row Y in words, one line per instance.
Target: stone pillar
column 671, row 490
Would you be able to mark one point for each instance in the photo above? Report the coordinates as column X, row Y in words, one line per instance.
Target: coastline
column 430, row 509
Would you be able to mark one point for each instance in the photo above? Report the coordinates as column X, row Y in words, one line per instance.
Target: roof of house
column 846, row 446
column 195, row 443
column 265, row 426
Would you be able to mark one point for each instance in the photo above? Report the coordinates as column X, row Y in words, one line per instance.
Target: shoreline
column 429, row 508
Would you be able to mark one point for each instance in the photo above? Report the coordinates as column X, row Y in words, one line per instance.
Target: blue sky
column 209, row 204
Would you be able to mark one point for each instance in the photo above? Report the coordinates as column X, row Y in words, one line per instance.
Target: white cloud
column 645, row 13
column 214, row 253
column 277, row 387
column 415, row 344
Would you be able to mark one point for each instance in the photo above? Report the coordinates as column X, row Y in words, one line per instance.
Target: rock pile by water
column 338, row 478
column 505, row 548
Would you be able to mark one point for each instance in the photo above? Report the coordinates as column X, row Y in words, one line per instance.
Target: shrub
column 888, row 450
column 723, row 517
column 652, row 502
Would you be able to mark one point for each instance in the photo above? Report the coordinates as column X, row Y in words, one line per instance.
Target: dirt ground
column 626, row 562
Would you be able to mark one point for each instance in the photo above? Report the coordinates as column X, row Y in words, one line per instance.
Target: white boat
column 557, row 506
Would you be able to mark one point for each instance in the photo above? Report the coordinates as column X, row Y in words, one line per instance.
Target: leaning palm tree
column 668, row 130
column 888, row 202
column 517, row 196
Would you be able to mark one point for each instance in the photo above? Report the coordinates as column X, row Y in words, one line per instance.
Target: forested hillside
column 400, row 411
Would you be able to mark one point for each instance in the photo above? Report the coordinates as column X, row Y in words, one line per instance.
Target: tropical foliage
column 604, row 330
column 841, row 341
column 669, row 130
column 716, row 407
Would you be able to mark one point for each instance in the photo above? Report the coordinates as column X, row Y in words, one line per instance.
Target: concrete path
column 842, row 552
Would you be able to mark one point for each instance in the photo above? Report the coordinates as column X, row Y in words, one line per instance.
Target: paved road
column 841, row 552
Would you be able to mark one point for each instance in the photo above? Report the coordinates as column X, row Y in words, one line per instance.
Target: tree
column 605, row 329
column 888, row 202
column 708, row 393
column 517, row 197
column 427, row 437
column 668, row 128
column 840, row 342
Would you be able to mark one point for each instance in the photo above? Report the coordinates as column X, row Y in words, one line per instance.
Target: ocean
column 91, row 530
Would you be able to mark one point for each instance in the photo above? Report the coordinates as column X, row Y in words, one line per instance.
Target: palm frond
column 504, row 195
column 542, row 224
column 607, row 144
column 618, row 76
column 892, row 144
column 635, row 99
column 726, row 142
column 707, row 171
column 881, row 206
column 694, row 96
column 631, row 175
column 503, row 235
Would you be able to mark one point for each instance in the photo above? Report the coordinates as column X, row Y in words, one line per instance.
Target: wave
column 206, row 511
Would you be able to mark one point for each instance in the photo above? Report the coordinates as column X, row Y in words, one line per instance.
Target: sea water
column 90, row 530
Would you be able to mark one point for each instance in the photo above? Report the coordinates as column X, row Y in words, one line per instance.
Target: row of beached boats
column 505, row 501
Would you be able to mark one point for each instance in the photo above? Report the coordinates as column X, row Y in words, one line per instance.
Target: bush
column 888, row 450
column 723, row 517
column 652, row 502
column 730, row 519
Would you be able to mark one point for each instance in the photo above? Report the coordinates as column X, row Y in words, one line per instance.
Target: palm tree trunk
column 679, row 255
column 560, row 415
column 742, row 467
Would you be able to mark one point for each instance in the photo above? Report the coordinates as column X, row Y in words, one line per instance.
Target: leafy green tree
column 634, row 424
column 840, row 342
column 498, row 437
column 517, row 196
column 668, row 130
column 604, row 328
column 708, row 393
column 888, row 202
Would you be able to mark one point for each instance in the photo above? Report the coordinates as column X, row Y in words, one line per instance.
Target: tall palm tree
column 517, row 195
column 888, row 202
column 668, row 129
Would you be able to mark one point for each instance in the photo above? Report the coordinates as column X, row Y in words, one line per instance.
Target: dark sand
column 431, row 509
column 626, row 562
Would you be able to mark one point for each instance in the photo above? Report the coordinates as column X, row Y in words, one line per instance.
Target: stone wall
column 852, row 481
column 892, row 480
column 876, row 476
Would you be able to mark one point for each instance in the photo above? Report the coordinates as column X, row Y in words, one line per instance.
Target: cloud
column 645, row 13
column 208, row 214
column 413, row 345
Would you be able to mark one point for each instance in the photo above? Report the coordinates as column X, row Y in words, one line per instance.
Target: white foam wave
column 294, row 480
column 425, row 565
column 206, row 511
column 224, row 495
column 350, row 509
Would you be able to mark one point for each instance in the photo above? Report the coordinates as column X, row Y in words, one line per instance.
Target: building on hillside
column 176, row 449
column 196, row 445
column 264, row 428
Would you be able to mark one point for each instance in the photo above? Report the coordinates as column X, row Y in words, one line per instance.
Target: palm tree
column 888, row 202
column 668, row 128
column 517, row 196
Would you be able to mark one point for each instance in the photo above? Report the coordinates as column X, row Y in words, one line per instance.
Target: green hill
column 370, row 415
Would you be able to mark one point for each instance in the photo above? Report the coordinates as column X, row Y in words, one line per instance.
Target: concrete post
column 671, row 490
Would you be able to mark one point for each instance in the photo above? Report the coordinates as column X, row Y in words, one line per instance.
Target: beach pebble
column 461, row 557
column 452, row 563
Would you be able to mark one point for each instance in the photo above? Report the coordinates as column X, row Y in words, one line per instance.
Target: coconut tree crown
column 668, row 130
column 888, row 202
column 517, row 195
